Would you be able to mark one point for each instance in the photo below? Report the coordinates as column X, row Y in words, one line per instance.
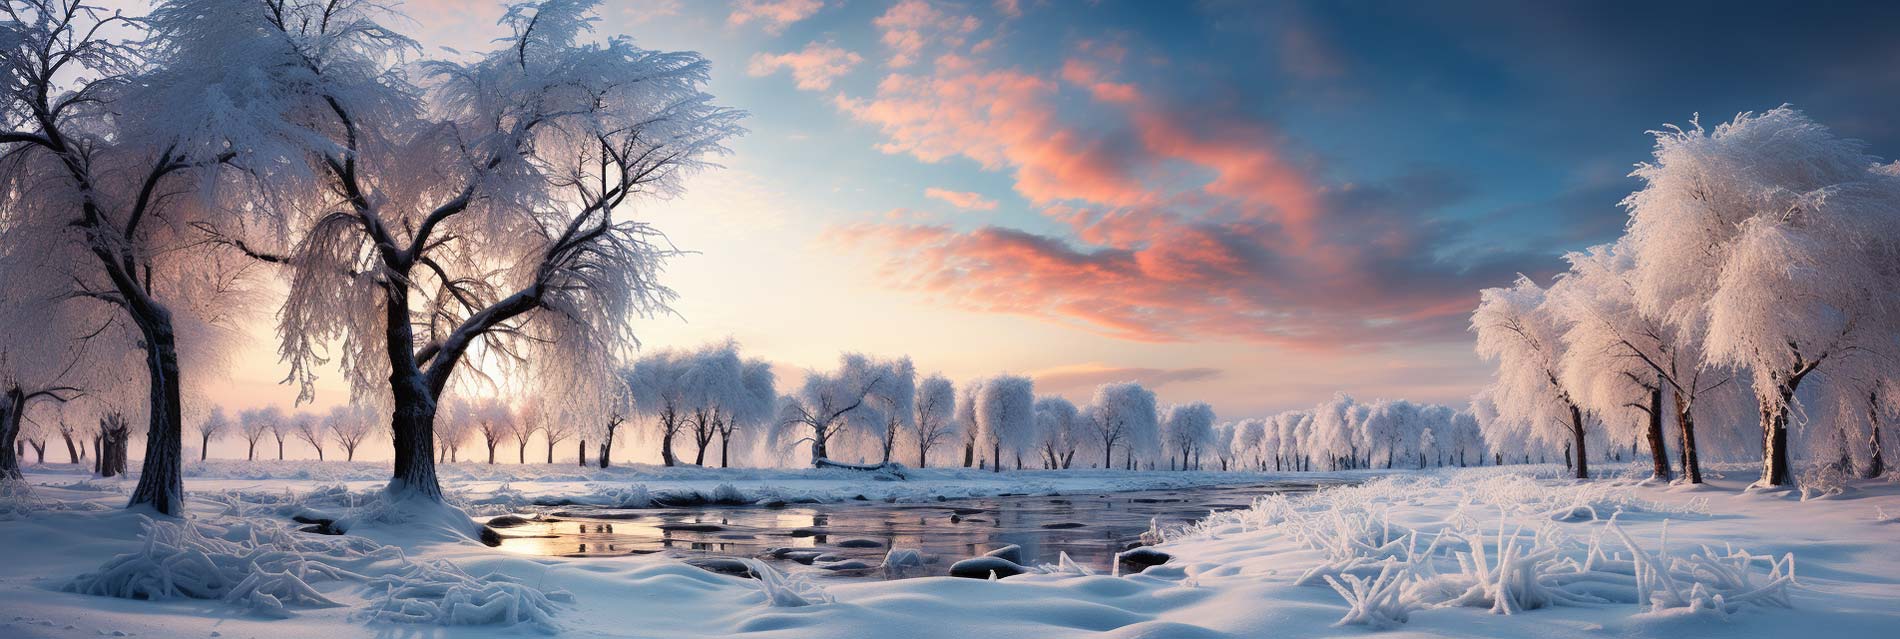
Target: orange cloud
column 813, row 68
column 772, row 15
column 961, row 199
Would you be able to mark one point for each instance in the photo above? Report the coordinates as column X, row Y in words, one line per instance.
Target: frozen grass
column 1388, row 554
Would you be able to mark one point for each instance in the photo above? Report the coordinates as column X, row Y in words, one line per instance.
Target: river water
column 851, row 539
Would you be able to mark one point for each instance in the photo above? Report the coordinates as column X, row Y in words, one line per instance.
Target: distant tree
column 828, row 403
column 936, row 422
column 493, row 421
column 212, row 428
column 526, row 420
column 1188, row 429
column 1123, row 414
column 1056, row 430
column 351, row 425
column 254, row 424
column 1006, row 417
column 557, row 430
column 311, row 429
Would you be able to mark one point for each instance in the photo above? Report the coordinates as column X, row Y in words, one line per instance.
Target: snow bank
column 266, row 568
column 1388, row 552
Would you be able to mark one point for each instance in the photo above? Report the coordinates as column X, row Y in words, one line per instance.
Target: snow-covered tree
column 1775, row 240
column 1188, row 429
column 212, row 428
column 895, row 402
column 966, row 419
column 352, row 425
column 749, row 412
column 285, row 429
column 310, row 428
column 936, row 422
column 658, row 383
column 1250, row 440
column 1006, row 417
column 558, row 430
column 1057, row 431
column 829, row 402
column 522, row 426
column 719, row 394
column 1517, row 329
column 1224, row 445
column 1123, row 414
column 109, row 135
column 254, row 424
column 493, row 421
column 470, row 221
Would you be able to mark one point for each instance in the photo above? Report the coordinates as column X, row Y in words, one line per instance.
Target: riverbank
column 1249, row 572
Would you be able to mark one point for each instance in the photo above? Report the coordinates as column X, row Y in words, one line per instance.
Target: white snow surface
column 1490, row 552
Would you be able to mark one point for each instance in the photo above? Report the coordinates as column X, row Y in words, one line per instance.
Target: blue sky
column 1251, row 203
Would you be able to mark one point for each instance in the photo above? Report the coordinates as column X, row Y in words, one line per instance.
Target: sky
column 1255, row 204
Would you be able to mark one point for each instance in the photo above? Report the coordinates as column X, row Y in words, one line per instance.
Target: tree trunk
column 969, row 454
column 521, row 452
column 1658, row 453
column 725, row 446
column 1876, row 460
column 666, row 448
column 491, row 453
column 551, row 451
column 12, row 407
column 1774, row 438
column 1576, row 431
column 996, row 453
column 699, row 456
column 581, row 454
column 280, row 450
column 72, row 451
column 161, row 478
column 412, row 432
column 204, row 447
column 923, row 456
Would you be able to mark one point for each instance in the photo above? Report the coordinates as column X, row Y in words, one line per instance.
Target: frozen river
column 850, row 539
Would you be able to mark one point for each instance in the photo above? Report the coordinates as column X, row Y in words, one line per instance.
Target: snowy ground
column 1559, row 565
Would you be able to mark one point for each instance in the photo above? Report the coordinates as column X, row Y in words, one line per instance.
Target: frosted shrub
column 268, row 572
column 784, row 590
column 1528, row 559
column 439, row 593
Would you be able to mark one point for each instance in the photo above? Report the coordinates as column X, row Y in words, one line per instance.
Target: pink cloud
column 813, row 68
column 962, row 199
column 772, row 15
column 1187, row 220
column 911, row 25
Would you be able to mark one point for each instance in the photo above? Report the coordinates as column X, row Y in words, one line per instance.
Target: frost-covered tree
column 1006, row 417
column 254, row 424
column 936, row 422
column 285, row 429
column 1519, row 331
column 895, row 402
column 751, row 411
column 458, row 425
column 351, row 425
column 526, row 421
column 1250, row 440
column 1775, row 240
column 1187, row 429
column 719, row 395
column 465, row 216
column 493, row 421
column 1057, row 431
column 828, row 403
column 1123, row 414
column 658, row 384
column 558, row 430
column 109, row 131
column 1224, row 445
column 966, row 419
column 310, row 428
column 212, row 428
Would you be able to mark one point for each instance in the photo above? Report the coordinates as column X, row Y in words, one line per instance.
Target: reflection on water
column 1091, row 528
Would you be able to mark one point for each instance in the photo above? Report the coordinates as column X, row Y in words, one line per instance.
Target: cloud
column 772, row 15
column 1183, row 218
column 962, row 199
column 908, row 27
column 1080, row 379
column 813, row 68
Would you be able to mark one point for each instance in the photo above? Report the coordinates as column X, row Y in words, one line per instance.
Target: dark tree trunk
column 1658, row 453
column 551, row 452
column 161, row 478
column 412, row 431
column 1582, row 449
column 491, row 453
column 581, row 454
column 725, row 446
column 12, row 408
column 72, row 450
column 969, row 454
column 996, row 453
column 1775, row 469
column 923, row 456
